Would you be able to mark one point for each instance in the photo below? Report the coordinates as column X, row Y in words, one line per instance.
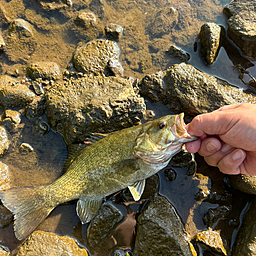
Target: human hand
column 227, row 138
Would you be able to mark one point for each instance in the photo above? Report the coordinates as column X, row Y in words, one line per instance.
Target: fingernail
column 226, row 148
column 211, row 146
column 238, row 155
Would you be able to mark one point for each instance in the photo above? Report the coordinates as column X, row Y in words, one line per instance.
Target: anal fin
column 87, row 208
column 137, row 189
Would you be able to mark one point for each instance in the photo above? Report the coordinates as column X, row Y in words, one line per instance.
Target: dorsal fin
column 72, row 152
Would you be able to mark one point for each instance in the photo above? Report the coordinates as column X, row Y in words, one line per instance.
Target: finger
column 209, row 146
column 193, row 146
column 232, row 163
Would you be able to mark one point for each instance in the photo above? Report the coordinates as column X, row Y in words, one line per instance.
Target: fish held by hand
column 122, row 159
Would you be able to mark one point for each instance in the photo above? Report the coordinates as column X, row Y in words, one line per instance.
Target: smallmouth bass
column 122, row 159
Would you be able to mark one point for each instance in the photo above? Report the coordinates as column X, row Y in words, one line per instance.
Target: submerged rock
column 245, row 243
column 209, row 42
column 186, row 89
column 244, row 183
column 45, row 70
column 94, row 56
column 160, row 230
column 45, row 243
column 178, row 53
column 85, row 19
column 76, row 108
column 242, row 25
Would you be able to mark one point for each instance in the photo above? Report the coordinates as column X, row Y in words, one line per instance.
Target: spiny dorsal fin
column 72, row 152
column 87, row 208
column 137, row 189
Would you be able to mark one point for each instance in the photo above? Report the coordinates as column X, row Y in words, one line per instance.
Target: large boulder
column 76, row 108
column 242, row 25
column 184, row 88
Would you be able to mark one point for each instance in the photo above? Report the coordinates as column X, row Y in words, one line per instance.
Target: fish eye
column 162, row 125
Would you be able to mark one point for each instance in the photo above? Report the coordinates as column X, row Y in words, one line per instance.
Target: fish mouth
column 180, row 130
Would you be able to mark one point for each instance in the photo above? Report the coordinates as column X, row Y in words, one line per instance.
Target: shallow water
column 148, row 33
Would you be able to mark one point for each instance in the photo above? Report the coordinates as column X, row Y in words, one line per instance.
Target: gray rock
column 4, row 177
column 114, row 31
column 76, row 108
column 46, row 243
column 94, row 56
column 85, row 19
column 244, row 183
column 160, row 230
column 102, row 226
column 209, row 42
column 186, row 89
column 242, row 25
column 245, row 243
column 178, row 53
column 44, row 70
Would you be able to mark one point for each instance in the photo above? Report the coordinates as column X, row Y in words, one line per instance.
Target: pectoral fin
column 137, row 189
column 87, row 208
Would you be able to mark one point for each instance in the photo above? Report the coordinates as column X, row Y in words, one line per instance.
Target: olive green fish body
column 122, row 159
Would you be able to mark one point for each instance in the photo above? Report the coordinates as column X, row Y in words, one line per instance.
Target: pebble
column 25, row 148
column 85, row 19
column 114, row 31
column 4, row 177
column 4, row 141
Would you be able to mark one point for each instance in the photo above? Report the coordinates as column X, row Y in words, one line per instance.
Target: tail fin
column 29, row 206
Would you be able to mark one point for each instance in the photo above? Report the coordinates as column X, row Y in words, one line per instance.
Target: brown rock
column 4, row 177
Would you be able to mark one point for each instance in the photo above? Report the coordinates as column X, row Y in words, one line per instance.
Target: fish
column 119, row 160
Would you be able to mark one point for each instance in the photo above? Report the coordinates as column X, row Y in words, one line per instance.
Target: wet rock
column 45, row 243
column 4, row 251
column 38, row 88
column 41, row 127
column 15, row 95
column 115, row 68
column 94, row 56
column 214, row 214
column 170, row 174
column 245, row 243
column 209, row 37
column 45, row 70
column 25, row 148
column 102, row 226
column 159, row 217
column 186, row 89
column 178, row 53
column 21, row 40
column 244, row 183
column 4, row 141
column 163, row 22
column 212, row 240
column 36, row 108
column 5, row 217
column 55, row 5
column 76, row 108
column 113, row 31
column 4, row 177
column 98, row 7
column 11, row 119
column 2, row 43
column 85, row 19
column 242, row 25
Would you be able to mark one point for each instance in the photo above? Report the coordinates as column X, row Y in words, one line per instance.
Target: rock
column 244, row 183
column 245, row 243
column 45, row 243
column 212, row 240
column 36, row 108
column 2, row 43
column 45, row 70
column 21, row 41
column 25, row 148
column 115, row 67
column 178, row 53
column 170, row 174
column 4, row 141
column 76, row 108
column 113, row 31
column 41, row 127
column 242, row 25
column 4, row 251
column 94, row 56
column 16, row 95
column 159, row 217
column 5, row 217
column 186, row 89
column 55, row 5
column 85, row 19
column 98, row 7
column 11, row 119
column 209, row 37
column 102, row 226
column 164, row 20
column 4, row 177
